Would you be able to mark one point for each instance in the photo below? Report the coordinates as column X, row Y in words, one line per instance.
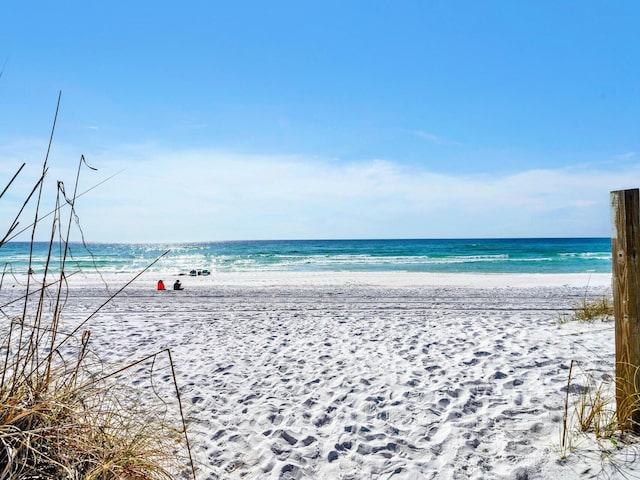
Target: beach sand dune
column 344, row 378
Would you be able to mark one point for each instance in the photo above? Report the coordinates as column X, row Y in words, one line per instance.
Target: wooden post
column 625, row 251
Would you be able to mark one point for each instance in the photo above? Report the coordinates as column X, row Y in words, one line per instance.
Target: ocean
column 523, row 255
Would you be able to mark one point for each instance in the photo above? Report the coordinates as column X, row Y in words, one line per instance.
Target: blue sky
column 262, row 120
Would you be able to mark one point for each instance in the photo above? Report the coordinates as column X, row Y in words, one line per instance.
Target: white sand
column 366, row 376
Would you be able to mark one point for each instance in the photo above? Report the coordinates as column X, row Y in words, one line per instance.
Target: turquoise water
column 537, row 255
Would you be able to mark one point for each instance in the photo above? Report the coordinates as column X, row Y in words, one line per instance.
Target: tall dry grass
column 592, row 310
column 591, row 425
column 63, row 415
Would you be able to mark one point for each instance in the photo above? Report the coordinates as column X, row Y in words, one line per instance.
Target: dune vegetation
column 64, row 413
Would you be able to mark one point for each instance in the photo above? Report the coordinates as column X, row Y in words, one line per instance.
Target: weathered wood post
column 625, row 251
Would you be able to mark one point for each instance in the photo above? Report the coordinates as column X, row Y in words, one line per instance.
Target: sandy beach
column 365, row 376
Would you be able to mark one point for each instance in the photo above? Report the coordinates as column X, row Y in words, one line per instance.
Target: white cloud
column 626, row 156
column 432, row 138
column 202, row 195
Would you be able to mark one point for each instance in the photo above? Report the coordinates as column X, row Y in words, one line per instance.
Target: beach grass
column 589, row 310
column 592, row 310
column 591, row 423
column 62, row 413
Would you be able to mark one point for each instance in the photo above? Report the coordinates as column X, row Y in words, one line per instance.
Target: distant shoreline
column 382, row 279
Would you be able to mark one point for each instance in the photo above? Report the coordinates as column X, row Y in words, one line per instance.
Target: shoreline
column 382, row 279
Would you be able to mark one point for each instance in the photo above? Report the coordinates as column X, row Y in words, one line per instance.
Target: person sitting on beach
column 161, row 285
column 177, row 285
